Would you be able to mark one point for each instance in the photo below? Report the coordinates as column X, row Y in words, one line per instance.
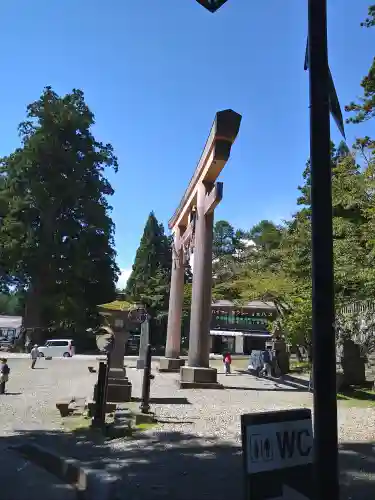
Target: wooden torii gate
column 192, row 228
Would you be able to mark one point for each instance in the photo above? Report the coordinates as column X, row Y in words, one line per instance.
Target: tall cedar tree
column 56, row 231
column 150, row 276
column 149, row 282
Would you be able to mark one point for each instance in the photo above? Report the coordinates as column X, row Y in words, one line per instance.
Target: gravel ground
column 199, row 430
column 32, row 394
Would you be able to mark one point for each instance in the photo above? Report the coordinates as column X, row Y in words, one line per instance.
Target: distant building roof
column 253, row 304
column 220, row 303
column 10, row 321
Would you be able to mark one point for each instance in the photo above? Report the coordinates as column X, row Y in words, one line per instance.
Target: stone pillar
column 143, row 343
column 282, row 356
column 119, row 387
column 353, row 364
column 238, row 342
column 172, row 361
column 197, row 373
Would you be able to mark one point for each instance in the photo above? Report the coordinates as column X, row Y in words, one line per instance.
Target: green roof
column 117, row 305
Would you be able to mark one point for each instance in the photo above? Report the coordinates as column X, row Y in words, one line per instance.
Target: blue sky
column 154, row 72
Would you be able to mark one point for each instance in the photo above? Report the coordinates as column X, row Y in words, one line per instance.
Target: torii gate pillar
column 192, row 226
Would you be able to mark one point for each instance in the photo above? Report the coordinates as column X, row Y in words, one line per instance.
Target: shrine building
column 241, row 329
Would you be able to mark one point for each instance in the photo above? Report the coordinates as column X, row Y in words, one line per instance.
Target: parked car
column 5, row 344
column 57, row 348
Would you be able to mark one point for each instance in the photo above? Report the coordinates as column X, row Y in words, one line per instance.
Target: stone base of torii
column 192, row 227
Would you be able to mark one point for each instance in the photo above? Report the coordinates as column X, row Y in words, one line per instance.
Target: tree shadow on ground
column 182, row 466
column 296, row 383
column 357, row 470
column 264, row 389
column 360, row 394
column 164, row 401
column 153, row 465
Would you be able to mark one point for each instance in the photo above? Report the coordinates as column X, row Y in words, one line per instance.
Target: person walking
column 27, row 345
column 267, row 362
column 4, row 375
column 34, row 355
column 227, row 360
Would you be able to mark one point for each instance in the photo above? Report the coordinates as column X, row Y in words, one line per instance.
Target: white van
column 57, row 348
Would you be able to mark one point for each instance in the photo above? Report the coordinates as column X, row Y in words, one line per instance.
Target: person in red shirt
column 227, row 360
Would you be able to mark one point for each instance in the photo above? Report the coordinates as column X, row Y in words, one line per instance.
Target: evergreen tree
column 56, row 233
column 149, row 281
column 225, row 240
column 152, row 268
column 266, row 235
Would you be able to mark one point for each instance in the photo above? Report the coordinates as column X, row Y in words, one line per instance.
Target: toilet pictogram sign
column 278, row 454
column 260, row 449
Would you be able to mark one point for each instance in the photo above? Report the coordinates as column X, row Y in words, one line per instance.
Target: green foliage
column 370, row 20
column 295, row 322
column 365, row 109
column 228, row 246
column 11, row 304
column 359, row 327
column 56, row 233
column 156, row 295
column 149, row 280
column 266, row 235
column 226, row 241
column 116, row 305
column 278, row 266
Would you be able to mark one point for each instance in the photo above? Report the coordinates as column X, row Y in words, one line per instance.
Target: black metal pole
column 323, row 313
column 105, row 387
column 145, row 403
column 98, row 419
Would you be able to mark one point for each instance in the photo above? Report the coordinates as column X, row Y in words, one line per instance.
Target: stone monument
column 353, row 364
column 118, row 325
column 192, row 227
column 119, row 386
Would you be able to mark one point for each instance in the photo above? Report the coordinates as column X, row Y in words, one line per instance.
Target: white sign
column 279, row 445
